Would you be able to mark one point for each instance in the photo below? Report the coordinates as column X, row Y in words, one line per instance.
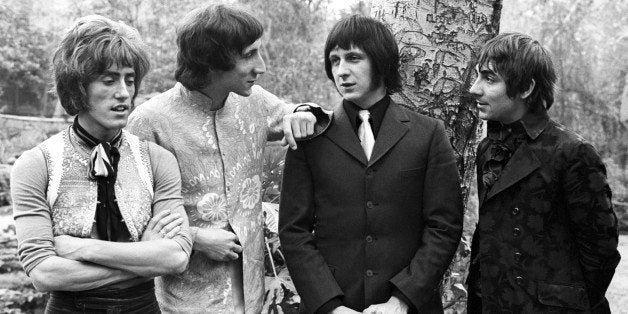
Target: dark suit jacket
column 392, row 222
column 547, row 235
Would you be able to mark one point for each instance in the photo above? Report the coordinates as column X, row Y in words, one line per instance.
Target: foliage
column 588, row 39
column 294, row 38
column 281, row 295
column 24, row 52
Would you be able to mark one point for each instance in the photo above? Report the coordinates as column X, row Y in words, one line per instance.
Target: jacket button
column 516, row 211
column 519, row 280
column 516, row 232
column 369, row 239
column 369, row 273
column 517, row 256
column 369, row 204
column 369, row 172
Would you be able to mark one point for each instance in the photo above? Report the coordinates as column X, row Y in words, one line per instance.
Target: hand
column 70, row 247
column 297, row 125
column 393, row 306
column 342, row 310
column 218, row 244
column 163, row 225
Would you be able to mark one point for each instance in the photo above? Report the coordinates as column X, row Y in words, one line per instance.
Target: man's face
column 249, row 66
column 353, row 75
column 489, row 90
column 109, row 102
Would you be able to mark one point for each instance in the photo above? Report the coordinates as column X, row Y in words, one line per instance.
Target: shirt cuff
column 323, row 118
column 402, row 297
column 329, row 306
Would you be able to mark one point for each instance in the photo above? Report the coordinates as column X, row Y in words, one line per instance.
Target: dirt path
column 617, row 293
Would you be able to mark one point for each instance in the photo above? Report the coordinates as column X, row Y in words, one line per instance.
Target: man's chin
column 245, row 93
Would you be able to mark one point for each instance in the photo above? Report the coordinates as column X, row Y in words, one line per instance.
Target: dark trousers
column 137, row 299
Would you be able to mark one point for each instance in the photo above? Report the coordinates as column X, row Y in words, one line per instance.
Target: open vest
column 72, row 196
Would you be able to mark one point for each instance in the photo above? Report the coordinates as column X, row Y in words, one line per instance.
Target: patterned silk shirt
column 546, row 240
column 220, row 155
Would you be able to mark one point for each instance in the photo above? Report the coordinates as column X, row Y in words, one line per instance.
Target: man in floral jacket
column 216, row 121
column 546, row 240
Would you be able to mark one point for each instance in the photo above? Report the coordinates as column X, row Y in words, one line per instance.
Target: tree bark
column 439, row 41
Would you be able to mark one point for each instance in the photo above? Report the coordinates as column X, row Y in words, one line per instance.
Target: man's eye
column 130, row 82
column 354, row 58
column 250, row 54
column 334, row 61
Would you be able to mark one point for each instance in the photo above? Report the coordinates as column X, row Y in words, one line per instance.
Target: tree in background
column 24, row 50
column 294, row 38
column 439, row 41
column 588, row 39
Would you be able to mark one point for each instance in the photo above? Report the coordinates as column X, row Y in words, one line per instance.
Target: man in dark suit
column 381, row 193
column 546, row 240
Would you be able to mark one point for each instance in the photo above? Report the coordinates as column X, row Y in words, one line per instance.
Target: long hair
column 91, row 46
column 375, row 40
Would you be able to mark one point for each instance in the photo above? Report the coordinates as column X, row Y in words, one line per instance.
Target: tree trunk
column 439, row 42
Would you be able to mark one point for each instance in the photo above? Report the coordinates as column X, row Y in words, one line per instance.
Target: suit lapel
column 393, row 128
column 341, row 132
column 521, row 164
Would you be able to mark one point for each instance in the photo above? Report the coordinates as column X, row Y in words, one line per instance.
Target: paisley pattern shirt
column 220, row 155
column 546, row 240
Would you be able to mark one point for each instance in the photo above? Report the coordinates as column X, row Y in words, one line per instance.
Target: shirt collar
column 532, row 123
column 377, row 112
column 196, row 98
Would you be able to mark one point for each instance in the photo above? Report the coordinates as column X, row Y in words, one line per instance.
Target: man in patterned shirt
column 217, row 122
column 546, row 239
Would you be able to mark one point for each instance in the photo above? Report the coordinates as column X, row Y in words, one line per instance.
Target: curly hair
column 92, row 45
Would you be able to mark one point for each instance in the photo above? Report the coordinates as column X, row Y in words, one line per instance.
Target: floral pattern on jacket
column 220, row 155
column 547, row 234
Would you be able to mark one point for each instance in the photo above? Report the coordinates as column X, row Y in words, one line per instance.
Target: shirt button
column 516, row 232
column 515, row 211
column 369, row 204
column 519, row 280
column 369, row 273
column 369, row 239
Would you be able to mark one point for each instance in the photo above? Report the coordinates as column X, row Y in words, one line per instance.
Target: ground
column 617, row 293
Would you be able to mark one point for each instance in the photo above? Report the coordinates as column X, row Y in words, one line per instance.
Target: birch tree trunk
column 439, row 41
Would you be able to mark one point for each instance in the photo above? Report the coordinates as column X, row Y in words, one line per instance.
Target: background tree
column 588, row 39
column 439, row 41
column 24, row 50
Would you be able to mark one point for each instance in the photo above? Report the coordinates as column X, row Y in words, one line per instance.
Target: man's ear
column 525, row 94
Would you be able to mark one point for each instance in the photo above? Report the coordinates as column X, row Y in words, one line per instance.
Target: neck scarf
column 103, row 167
column 504, row 141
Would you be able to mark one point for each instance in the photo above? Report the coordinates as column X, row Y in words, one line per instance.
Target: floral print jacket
column 220, row 155
column 547, row 235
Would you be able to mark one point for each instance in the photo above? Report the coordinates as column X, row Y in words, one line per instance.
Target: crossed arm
column 72, row 264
